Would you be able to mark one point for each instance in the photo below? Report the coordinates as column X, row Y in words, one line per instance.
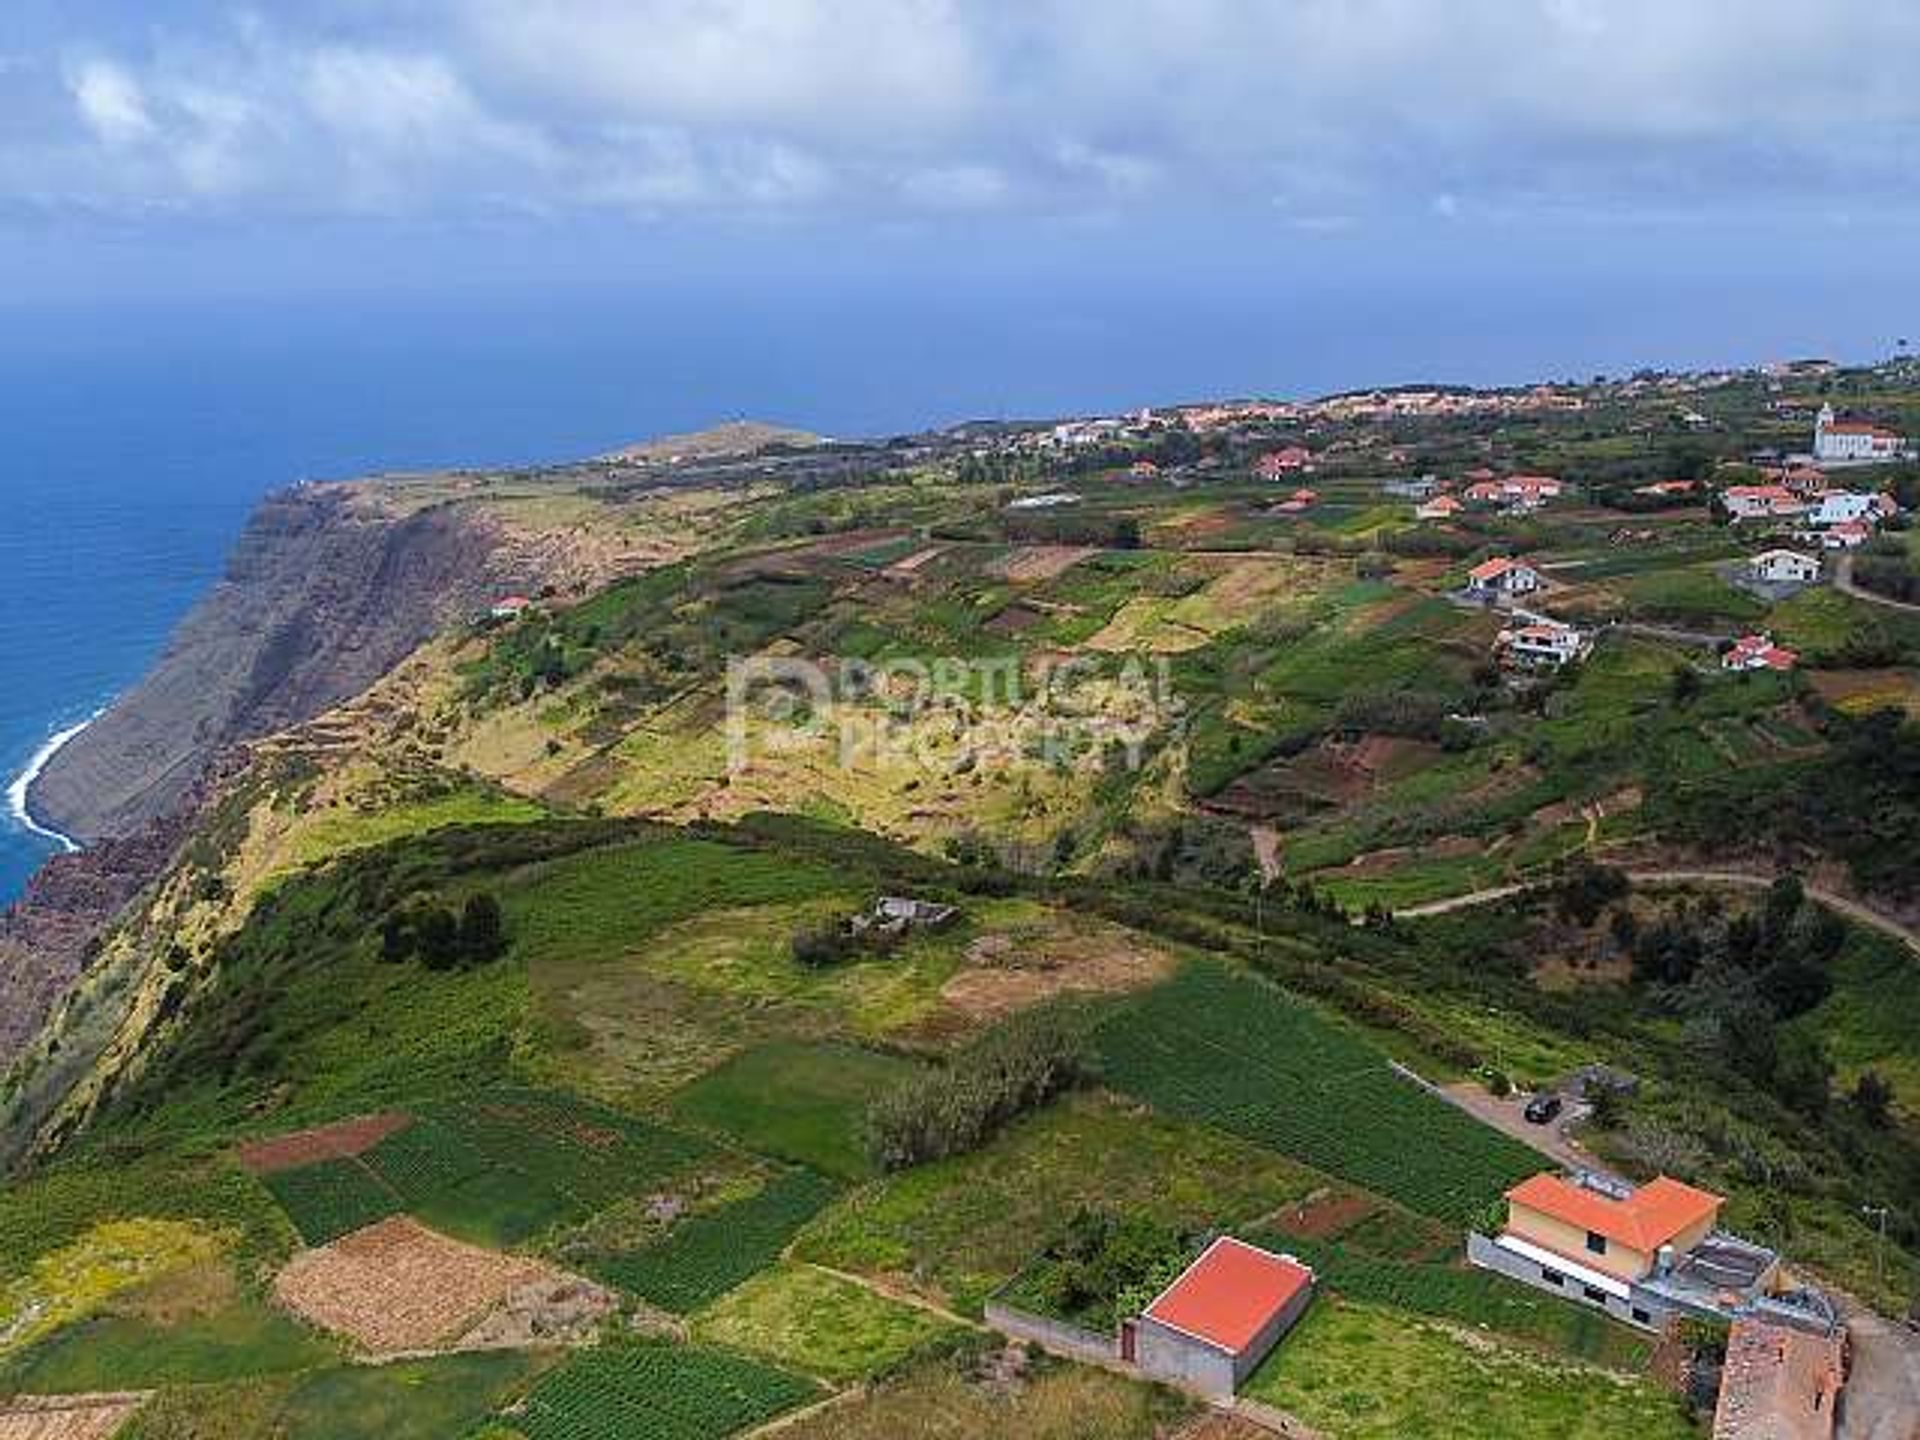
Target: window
column 1553, row 1277
column 1596, row 1294
column 1596, row 1242
column 1641, row 1317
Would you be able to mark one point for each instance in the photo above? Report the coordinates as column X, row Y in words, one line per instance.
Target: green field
column 332, row 1198
column 430, row 1399
column 1448, row 1290
column 1237, row 1053
column 957, row 1229
column 706, row 1254
column 819, row 1324
column 656, row 1391
column 502, row 1168
column 949, row 1400
column 1365, row 1372
column 596, row 907
column 195, row 1327
column 803, row 1103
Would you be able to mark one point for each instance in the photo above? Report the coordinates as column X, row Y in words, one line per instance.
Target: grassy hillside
column 518, row 976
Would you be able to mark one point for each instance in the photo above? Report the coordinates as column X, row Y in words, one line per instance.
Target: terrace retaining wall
column 1056, row 1336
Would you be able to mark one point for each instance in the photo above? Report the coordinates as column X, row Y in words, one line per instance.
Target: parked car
column 1543, row 1108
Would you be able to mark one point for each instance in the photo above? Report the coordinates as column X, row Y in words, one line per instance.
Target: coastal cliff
column 326, row 590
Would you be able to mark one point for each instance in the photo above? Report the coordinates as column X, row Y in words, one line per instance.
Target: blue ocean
column 133, row 440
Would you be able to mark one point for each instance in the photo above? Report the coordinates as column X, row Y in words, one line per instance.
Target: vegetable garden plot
column 1237, row 1053
column 657, row 1391
column 705, row 1255
column 331, row 1199
column 551, row 1156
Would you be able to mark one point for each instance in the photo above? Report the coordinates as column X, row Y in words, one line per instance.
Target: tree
column 1872, row 1099
column 1685, row 685
column 397, row 939
column 1802, row 1073
column 1607, row 1108
column 437, row 935
column 482, row 929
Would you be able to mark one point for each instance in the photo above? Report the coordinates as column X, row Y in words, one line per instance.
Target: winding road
column 1843, row 582
column 1850, row 908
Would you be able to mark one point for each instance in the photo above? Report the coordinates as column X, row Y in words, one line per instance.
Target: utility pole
column 1878, row 1212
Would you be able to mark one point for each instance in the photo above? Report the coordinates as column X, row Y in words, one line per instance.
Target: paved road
column 1852, row 909
column 1843, row 582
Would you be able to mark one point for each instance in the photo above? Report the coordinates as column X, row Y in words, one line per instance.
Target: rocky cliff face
column 324, row 593
column 47, row 937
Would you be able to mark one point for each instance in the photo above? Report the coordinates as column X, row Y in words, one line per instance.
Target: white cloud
column 110, row 102
column 1342, row 107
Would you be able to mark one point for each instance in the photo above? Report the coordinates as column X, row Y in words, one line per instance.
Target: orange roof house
column 1646, row 1255
column 1661, row 1212
column 1213, row 1325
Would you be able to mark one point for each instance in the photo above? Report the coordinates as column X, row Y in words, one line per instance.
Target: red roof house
column 1758, row 652
column 1275, row 463
column 1503, row 576
column 1212, row 1326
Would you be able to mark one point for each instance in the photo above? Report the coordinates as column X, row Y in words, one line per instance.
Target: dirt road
column 1850, row 908
column 1883, row 1391
column 1843, row 582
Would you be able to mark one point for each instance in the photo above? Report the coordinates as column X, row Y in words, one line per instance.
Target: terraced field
column 1234, row 1052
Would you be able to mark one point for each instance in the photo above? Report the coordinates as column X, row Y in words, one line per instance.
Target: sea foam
column 17, row 807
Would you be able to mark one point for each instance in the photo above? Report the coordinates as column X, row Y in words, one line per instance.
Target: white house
column 1847, row 535
column 1440, row 507
column 1784, row 567
column 1503, row 576
column 1761, row 502
column 1838, row 506
column 1855, row 440
column 1541, row 642
column 1516, row 492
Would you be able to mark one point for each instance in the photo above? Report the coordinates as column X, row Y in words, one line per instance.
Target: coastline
column 18, row 809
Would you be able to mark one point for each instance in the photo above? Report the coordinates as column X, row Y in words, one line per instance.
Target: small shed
column 1210, row 1329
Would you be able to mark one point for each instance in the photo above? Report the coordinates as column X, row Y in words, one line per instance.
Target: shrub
column 482, row 931
column 1015, row 1068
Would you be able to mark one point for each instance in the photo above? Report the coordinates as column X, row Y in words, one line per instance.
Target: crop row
column 582, row 1155
column 1237, row 1053
column 331, row 1198
column 652, row 1390
column 705, row 1255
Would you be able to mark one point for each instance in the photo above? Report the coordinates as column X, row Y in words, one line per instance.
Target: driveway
column 1551, row 1140
column 1882, row 1398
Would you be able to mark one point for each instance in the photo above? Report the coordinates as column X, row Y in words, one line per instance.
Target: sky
column 1755, row 160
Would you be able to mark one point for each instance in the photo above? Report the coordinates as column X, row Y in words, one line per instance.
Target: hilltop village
column 1383, row 916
